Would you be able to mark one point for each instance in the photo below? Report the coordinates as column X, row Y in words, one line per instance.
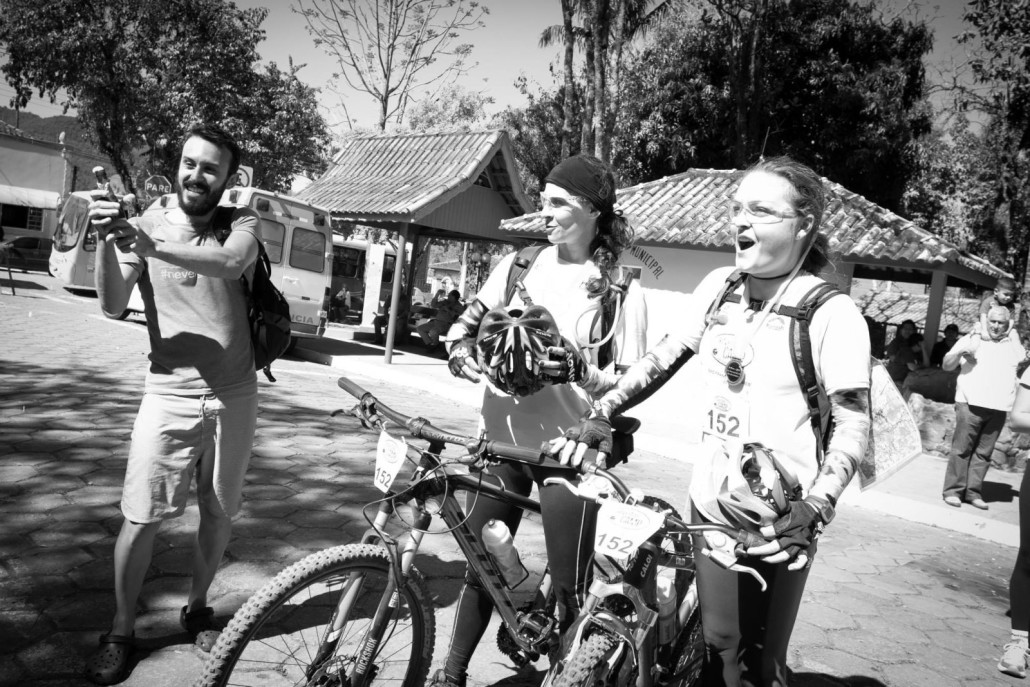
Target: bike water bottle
column 497, row 539
column 666, row 588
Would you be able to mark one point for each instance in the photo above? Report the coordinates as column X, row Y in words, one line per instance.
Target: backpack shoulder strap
column 732, row 283
column 804, row 363
column 519, row 266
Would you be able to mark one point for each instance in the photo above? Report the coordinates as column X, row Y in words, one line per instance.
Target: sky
column 506, row 47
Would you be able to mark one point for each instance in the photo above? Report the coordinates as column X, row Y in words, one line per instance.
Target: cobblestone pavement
column 890, row 601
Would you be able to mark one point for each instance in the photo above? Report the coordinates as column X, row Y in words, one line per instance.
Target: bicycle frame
column 529, row 633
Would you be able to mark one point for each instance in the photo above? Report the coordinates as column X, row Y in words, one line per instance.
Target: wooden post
column 934, row 308
column 395, row 293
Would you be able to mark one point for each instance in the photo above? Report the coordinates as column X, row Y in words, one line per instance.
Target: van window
column 388, row 265
column 272, row 234
column 73, row 218
column 307, row 250
column 347, row 262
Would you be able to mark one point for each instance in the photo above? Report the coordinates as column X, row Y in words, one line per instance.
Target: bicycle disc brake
column 537, row 627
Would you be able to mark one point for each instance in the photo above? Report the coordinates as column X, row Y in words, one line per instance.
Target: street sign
column 244, row 176
column 156, row 186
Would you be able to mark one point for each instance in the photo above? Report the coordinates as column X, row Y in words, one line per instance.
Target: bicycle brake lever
column 585, row 491
column 728, row 561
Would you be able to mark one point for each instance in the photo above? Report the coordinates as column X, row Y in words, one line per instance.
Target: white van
column 297, row 237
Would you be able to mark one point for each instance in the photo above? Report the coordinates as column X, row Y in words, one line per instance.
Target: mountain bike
column 619, row 638
column 361, row 614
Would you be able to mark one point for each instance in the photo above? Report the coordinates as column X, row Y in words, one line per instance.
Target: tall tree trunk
column 601, row 27
column 586, row 141
column 570, row 82
column 619, row 39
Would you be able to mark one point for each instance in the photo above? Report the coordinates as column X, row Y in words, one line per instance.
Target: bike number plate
column 390, row 454
column 621, row 529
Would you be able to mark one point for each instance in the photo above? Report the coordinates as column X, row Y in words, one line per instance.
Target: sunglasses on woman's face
column 756, row 212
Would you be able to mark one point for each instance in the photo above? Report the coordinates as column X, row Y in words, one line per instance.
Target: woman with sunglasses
column 757, row 461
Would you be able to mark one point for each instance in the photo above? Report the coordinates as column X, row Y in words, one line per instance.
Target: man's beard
column 202, row 205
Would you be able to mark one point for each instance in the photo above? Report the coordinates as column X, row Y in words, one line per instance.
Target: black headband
column 579, row 177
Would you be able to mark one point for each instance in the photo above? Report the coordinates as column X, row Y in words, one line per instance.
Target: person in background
column 1015, row 657
column 906, row 358
column 382, row 320
column 984, row 394
column 199, row 407
column 446, row 313
column 944, row 345
column 1004, row 296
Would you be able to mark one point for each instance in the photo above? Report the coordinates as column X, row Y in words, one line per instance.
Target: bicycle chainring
column 508, row 646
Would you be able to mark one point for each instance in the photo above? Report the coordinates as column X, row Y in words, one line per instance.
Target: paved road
column 892, row 601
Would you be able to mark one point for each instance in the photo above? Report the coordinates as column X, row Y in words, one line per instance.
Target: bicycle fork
column 402, row 554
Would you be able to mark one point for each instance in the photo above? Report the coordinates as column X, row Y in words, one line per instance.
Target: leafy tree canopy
column 140, row 72
column 827, row 81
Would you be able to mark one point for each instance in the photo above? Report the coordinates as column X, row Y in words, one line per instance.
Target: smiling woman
column 577, row 282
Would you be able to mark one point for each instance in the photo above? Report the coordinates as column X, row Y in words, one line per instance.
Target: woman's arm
column 1019, row 418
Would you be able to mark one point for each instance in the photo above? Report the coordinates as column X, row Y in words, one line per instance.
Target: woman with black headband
column 575, row 278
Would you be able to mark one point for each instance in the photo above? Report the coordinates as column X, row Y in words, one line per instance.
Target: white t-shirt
column 989, row 380
column 560, row 287
column 769, row 406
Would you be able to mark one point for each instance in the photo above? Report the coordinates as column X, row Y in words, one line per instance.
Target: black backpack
column 801, row 349
column 267, row 310
column 523, row 261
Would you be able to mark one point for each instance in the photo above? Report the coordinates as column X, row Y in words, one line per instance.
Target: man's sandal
column 200, row 626
column 109, row 664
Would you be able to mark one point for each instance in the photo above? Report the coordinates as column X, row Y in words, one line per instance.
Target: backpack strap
column 726, row 293
column 804, row 363
column 519, row 266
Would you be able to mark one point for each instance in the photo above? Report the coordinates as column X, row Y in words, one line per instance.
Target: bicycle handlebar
column 422, row 428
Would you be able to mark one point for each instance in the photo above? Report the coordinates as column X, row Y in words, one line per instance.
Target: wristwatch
column 824, row 509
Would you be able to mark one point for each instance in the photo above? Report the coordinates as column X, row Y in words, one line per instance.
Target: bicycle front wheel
column 587, row 666
column 688, row 653
column 310, row 626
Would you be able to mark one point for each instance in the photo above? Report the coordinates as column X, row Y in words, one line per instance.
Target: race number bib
column 725, row 418
column 621, row 529
column 390, row 454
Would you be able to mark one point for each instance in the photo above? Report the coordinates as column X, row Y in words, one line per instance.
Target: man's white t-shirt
column 989, row 380
column 769, row 406
column 560, row 287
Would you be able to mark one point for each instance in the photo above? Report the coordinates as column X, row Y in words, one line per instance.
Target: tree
column 392, row 49
column 1000, row 36
column 453, row 108
column 139, row 73
column 827, row 81
column 608, row 27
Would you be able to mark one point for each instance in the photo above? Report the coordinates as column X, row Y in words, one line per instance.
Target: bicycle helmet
column 511, row 344
column 748, row 487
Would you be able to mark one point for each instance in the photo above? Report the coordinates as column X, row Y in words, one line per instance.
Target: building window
column 21, row 217
column 14, row 216
column 35, row 222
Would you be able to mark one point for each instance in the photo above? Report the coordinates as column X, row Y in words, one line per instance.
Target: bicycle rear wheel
column 284, row 634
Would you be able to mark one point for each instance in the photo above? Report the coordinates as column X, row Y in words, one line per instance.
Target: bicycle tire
column 272, row 637
column 587, row 665
column 689, row 653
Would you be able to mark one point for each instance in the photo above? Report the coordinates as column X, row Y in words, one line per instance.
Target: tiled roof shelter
column 454, row 185
column 684, row 211
column 407, row 178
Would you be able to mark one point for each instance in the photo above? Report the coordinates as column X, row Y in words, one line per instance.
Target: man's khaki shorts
column 177, row 436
